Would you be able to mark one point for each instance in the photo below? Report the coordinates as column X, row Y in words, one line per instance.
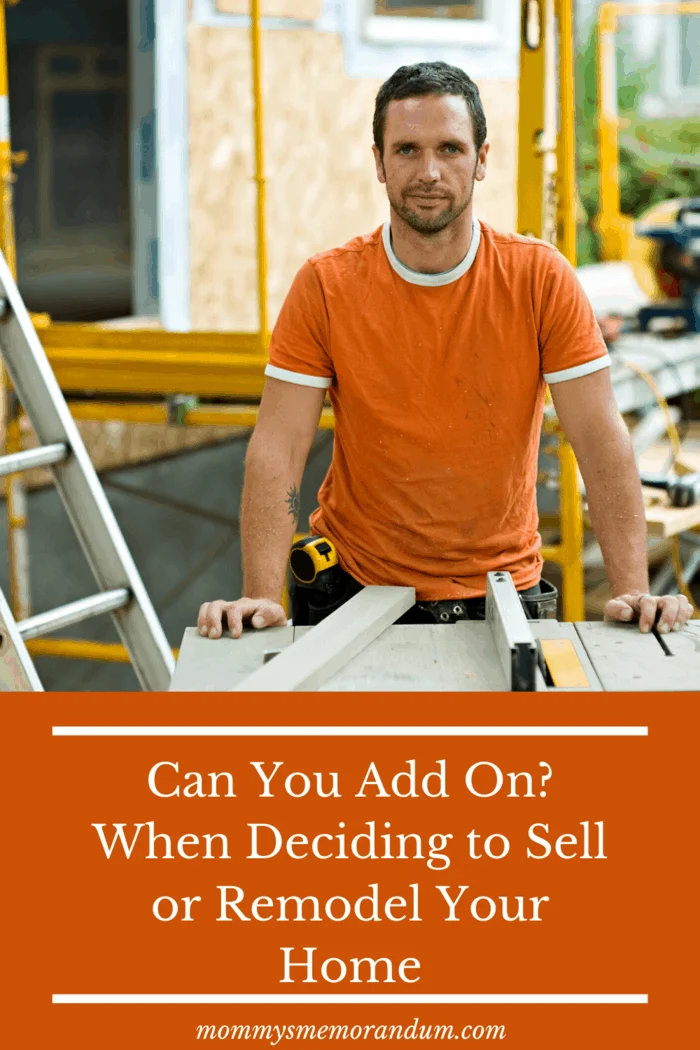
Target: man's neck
column 434, row 252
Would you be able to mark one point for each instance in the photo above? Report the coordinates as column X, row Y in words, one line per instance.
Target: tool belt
column 539, row 603
column 320, row 586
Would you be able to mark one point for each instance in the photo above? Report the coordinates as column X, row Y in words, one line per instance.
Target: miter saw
column 677, row 264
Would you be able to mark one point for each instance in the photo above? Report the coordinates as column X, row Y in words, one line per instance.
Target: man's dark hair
column 429, row 78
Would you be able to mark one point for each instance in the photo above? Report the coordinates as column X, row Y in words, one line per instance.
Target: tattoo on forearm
column 292, row 502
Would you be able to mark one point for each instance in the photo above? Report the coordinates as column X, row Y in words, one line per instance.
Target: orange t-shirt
column 437, row 382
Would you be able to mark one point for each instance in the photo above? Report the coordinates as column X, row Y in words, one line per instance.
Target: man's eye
column 452, row 149
column 405, row 150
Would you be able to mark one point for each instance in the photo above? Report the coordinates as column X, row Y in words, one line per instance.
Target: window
column 468, row 23
column 690, row 51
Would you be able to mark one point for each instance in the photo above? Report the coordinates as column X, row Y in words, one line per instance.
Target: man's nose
column 430, row 171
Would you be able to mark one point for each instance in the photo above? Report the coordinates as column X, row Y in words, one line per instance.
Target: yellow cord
column 674, row 438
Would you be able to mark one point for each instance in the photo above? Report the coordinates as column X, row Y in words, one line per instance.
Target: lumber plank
column 326, row 648
column 543, row 629
column 665, row 520
column 628, row 661
column 458, row 657
column 218, row 665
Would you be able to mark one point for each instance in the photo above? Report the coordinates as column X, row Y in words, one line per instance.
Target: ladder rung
column 74, row 612
column 32, row 457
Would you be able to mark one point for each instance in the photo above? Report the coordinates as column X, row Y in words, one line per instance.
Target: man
column 435, row 337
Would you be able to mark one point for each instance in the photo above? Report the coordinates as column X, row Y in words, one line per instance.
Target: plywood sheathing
column 322, row 188
column 303, row 9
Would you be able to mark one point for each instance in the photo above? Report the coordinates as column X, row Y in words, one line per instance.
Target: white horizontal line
column 350, row 730
column 412, row 999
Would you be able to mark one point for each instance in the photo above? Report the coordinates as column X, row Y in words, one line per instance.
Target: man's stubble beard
column 435, row 224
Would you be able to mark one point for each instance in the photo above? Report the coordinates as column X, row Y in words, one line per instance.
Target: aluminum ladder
column 121, row 590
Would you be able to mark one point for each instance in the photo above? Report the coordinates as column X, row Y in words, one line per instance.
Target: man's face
column 430, row 162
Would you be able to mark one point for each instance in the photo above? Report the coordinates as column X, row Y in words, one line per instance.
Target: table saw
column 360, row 648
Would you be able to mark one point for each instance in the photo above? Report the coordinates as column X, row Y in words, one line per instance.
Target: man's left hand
column 676, row 610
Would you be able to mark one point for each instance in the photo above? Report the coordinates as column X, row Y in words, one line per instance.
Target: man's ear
column 379, row 164
column 480, row 172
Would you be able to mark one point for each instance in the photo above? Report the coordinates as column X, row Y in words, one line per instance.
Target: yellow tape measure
column 311, row 556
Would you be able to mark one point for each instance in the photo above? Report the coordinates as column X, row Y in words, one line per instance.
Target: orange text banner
column 392, row 869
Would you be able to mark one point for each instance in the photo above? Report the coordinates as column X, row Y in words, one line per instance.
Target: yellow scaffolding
column 546, row 174
column 613, row 226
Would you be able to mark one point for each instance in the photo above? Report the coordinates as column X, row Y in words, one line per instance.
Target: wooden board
column 316, row 657
column 457, row 657
column 664, row 520
column 627, row 660
column 302, row 9
column 206, row 665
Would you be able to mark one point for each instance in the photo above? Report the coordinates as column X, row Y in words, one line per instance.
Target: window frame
column 672, row 88
column 471, row 32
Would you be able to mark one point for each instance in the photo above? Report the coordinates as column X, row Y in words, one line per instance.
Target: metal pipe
column 32, row 457
column 571, row 526
column 77, row 649
column 552, row 553
column 683, row 7
column 16, row 511
column 74, row 612
column 124, row 412
column 15, row 498
column 566, row 139
column 7, row 229
column 608, row 154
column 213, row 415
column 259, row 117
column 531, row 121
column 240, row 416
column 571, row 517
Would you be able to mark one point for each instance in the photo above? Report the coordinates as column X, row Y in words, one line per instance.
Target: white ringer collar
column 433, row 280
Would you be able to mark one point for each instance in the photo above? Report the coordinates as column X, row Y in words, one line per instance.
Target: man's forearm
column 269, row 517
column 616, row 509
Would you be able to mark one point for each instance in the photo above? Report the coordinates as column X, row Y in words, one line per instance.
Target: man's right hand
column 258, row 612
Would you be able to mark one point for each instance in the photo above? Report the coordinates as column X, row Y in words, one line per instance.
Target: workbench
column 467, row 656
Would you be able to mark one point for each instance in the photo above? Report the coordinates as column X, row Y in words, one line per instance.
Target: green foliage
column 653, row 152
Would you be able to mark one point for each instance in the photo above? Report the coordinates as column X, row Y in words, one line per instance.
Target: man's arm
column 590, row 419
column 277, row 453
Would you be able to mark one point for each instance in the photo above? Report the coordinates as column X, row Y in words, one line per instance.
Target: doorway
column 81, row 98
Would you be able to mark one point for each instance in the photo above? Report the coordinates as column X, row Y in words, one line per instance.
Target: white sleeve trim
column 578, row 370
column 322, row 382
